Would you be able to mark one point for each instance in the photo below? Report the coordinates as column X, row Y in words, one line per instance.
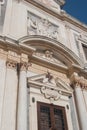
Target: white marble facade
column 42, row 59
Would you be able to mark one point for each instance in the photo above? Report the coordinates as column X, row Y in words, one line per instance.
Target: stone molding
column 78, row 81
column 11, row 64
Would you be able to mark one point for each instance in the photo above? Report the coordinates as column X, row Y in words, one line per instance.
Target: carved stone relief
column 49, row 56
column 50, row 93
column 49, row 79
column 39, row 26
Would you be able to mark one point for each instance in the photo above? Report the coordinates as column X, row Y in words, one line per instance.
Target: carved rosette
column 78, row 81
column 51, row 94
column 11, row 65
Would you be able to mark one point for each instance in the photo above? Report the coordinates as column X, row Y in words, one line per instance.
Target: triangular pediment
column 50, row 82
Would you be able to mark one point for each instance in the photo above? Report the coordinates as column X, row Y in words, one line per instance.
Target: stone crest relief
column 51, row 94
column 39, row 26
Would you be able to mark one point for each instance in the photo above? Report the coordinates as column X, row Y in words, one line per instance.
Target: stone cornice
column 61, row 2
column 78, row 81
column 8, row 43
column 22, row 46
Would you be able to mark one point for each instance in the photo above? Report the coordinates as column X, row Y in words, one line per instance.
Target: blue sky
column 77, row 9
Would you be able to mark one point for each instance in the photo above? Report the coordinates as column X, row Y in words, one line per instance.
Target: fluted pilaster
column 79, row 83
column 22, row 98
column 10, row 97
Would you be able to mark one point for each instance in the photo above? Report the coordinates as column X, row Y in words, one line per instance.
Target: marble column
column 10, row 97
column 22, row 99
column 78, row 84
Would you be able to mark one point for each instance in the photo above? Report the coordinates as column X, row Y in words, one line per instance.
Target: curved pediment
column 60, row 52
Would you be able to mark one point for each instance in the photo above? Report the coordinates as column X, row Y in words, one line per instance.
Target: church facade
column 43, row 67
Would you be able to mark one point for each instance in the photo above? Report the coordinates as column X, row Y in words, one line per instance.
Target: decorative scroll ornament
column 51, row 94
column 78, row 81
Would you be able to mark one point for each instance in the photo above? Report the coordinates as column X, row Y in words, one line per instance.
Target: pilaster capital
column 78, row 81
column 11, row 64
column 24, row 66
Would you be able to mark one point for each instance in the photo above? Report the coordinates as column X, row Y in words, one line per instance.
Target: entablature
column 43, row 51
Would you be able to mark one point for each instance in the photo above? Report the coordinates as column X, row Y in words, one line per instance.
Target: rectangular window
column 51, row 117
column 85, row 50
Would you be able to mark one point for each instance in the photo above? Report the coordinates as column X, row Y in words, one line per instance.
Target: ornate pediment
column 47, row 82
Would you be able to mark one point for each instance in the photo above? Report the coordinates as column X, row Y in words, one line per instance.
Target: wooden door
column 51, row 117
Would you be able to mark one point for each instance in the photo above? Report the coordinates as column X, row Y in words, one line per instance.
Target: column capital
column 24, row 66
column 11, row 64
column 78, row 81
